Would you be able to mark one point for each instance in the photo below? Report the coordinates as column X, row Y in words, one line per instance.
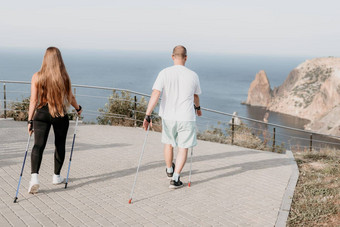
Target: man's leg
column 186, row 138
column 181, row 159
column 168, row 155
column 180, row 162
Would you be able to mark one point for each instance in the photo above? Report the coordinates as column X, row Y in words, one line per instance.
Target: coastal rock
column 328, row 124
column 259, row 93
column 311, row 91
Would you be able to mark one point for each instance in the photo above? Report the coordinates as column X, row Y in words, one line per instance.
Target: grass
column 316, row 200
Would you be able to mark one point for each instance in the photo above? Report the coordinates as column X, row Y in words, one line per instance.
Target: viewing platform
column 231, row 186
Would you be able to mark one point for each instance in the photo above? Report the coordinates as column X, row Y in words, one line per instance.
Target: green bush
column 18, row 110
column 120, row 110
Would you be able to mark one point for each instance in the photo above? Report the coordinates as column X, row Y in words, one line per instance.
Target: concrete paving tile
column 231, row 186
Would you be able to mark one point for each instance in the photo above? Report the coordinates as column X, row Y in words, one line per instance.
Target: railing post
column 273, row 149
column 75, row 94
column 135, row 106
column 5, row 103
column 232, row 130
column 311, row 143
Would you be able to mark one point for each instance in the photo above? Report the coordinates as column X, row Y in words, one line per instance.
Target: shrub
column 243, row 136
column 18, row 110
column 120, row 110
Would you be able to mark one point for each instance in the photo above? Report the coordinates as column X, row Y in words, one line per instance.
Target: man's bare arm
column 153, row 101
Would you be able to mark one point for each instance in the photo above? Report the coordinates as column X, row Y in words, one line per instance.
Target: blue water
column 224, row 79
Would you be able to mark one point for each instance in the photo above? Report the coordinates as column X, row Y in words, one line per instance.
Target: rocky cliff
column 311, row 91
column 259, row 93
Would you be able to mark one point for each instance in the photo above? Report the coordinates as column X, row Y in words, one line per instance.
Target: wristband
column 30, row 123
column 79, row 108
column 197, row 107
column 148, row 118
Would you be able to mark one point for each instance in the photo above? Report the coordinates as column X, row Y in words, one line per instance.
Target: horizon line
column 110, row 50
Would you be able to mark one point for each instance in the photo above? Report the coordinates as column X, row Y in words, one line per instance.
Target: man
column 180, row 101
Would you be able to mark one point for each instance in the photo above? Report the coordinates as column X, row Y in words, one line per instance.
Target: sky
column 251, row 27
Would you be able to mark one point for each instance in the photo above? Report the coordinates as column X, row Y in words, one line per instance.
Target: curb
column 289, row 193
column 6, row 119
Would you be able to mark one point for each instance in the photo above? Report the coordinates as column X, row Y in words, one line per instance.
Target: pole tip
column 189, row 184
column 15, row 199
column 65, row 185
column 130, row 200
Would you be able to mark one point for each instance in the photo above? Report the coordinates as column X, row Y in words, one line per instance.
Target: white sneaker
column 34, row 184
column 57, row 179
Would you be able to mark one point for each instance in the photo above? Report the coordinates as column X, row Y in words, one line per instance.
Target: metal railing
column 268, row 134
column 94, row 113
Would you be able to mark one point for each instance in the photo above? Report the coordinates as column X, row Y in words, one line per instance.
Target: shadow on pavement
column 256, row 165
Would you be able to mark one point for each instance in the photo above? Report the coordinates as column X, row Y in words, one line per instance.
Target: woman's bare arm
column 33, row 101
column 75, row 104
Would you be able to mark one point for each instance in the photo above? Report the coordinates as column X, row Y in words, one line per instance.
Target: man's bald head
column 179, row 51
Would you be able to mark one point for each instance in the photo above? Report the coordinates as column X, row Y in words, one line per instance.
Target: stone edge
column 289, row 193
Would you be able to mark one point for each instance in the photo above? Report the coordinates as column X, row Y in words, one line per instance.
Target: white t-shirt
column 178, row 84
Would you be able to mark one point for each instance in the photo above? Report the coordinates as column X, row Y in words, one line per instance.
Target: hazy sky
column 266, row 27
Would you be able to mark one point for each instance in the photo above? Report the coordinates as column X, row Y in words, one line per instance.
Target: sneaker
column 176, row 184
column 170, row 174
column 34, row 184
column 57, row 179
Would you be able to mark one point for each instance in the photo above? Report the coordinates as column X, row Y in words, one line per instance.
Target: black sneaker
column 176, row 184
column 170, row 174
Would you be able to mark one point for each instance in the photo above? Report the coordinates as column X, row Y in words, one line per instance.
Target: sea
column 224, row 79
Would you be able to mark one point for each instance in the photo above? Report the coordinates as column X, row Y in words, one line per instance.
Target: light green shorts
column 179, row 133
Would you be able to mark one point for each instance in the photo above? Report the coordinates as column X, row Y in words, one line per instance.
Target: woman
column 51, row 95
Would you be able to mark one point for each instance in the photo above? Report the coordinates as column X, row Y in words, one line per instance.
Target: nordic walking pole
column 189, row 184
column 140, row 159
column 74, row 138
column 22, row 168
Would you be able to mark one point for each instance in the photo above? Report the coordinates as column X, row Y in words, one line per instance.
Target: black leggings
column 42, row 122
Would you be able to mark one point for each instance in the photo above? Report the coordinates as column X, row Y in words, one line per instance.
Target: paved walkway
column 231, row 186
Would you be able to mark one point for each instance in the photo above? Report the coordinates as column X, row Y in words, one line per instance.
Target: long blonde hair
column 54, row 85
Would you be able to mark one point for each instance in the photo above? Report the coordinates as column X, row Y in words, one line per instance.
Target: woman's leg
column 41, row 126
column 60, row 127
